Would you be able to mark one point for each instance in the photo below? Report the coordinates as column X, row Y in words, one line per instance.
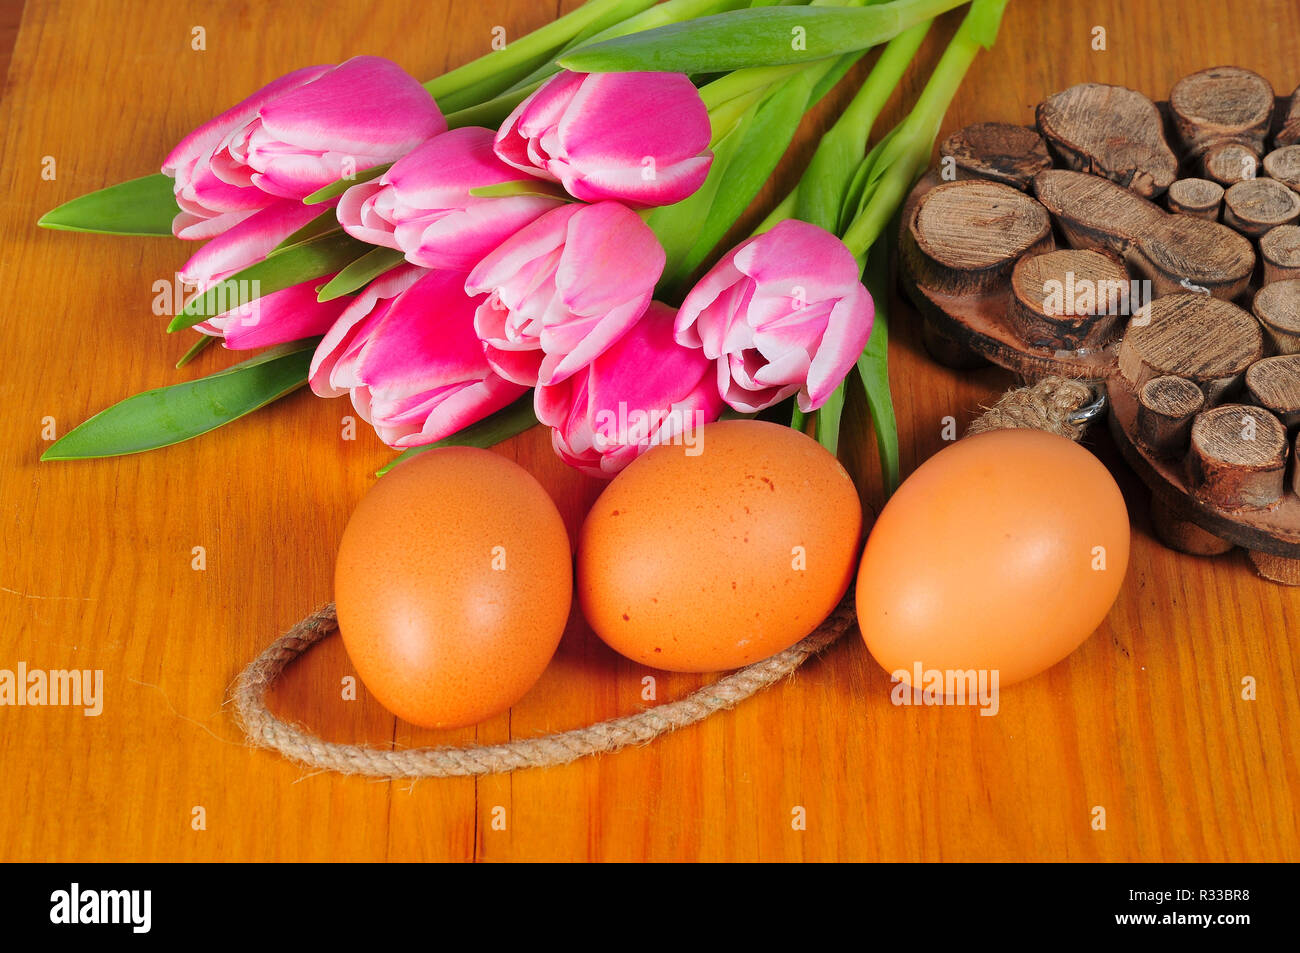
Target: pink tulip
column 642, row 138
column 253, row 321
column 422, row 205
column 301, row 132
column 782, row 313
column 645, row 390
column 563, row 289
column 406, row 351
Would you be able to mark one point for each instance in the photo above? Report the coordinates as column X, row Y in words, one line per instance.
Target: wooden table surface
column 1146, row 720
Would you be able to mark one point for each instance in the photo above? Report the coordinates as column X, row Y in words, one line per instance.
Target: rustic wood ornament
column 1110, row 131
column 1284, row 165
column 1254, row 206
column 1237, row 457
column 1288, row 132
column 1223, row 102
column 1279, row 250
column 1069, row 299
column 1169, row 250
column 1195, row 405
column 1229, row 162
column 1274, row 384
column 1194, row 336
column 1198, row 197
column 1276, row 568
column 1277, row 306
column 997, row 151
column 1274, row 530
column 1166, row 406
column 950, row 242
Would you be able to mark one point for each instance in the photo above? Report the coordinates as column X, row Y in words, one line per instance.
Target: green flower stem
column 821, row 190
column 906, row 153
column 523, row 52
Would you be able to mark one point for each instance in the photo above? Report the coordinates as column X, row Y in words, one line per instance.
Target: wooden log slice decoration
column 1070, row 299
column 1229, row 162
column 1284, row 165
column 1276, row 568
column 1237, row 457
column 1110, row 131
column 1279, row 250
column 1197, row 197
column 997, row 151
column 1288, row 129
column 1223, row 102
column 1194, row 336
column 1274, row 384
column 966, row 236
column 1172, row 251
column 1254, row 206
column 1274, row 530
column 1166, row 406
column 1277, row 306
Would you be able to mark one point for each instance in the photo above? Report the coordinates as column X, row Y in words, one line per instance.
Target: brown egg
column 1001, row 553
column 453, row 585
column 705, row 558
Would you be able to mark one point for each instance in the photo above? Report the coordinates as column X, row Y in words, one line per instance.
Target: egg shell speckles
column 708, row 561
column 453, row 586
column 1003, row 552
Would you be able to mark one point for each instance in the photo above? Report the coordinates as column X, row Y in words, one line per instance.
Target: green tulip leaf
column 326, row 223
column 169, row 415
column 759, row 36
column 548, row 190
column 144, row 206
column 312, row 259
column 488, row 432
column 873, row 367
column 335, row 189
column 360, row 273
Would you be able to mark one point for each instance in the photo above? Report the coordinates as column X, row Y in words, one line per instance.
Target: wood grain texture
column 1145, row 720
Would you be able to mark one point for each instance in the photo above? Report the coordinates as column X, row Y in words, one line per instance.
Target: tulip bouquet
column 521, row 239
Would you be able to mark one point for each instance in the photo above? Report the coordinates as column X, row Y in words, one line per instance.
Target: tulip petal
column 246, row 243
column 207, row 136
column 287, row 315
column 361, row 315
column 366, row 106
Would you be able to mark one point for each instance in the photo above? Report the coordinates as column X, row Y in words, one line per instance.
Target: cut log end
column 1166, row 407
column 1194, row 336
column 998, row 151
column 1274, row 384
column 1288, row 130
column 1110, row 131
column 1069, row 300
column 1279, row 249
column 1199, row 197
column 1167, row 249
column 1284, row 165
column 1230, row 162
column 966, row 236
column 1255, row 206
column 1219, row 103
column 1277, row 305
column 1237, row 457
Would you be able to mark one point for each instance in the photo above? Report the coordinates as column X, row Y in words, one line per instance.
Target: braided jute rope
column 1048, row 405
